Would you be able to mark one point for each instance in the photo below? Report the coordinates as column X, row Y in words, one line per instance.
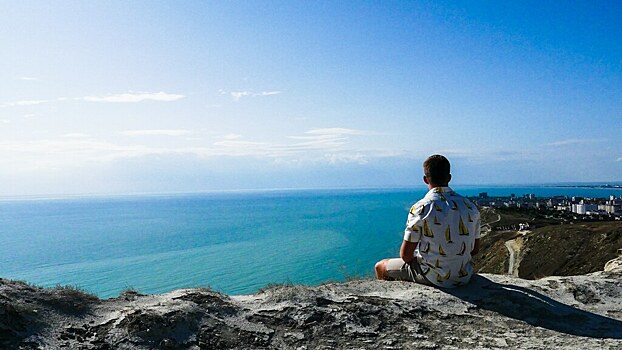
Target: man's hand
column 407, row 252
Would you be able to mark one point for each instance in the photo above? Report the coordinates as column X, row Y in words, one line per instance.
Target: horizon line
column 55, row 196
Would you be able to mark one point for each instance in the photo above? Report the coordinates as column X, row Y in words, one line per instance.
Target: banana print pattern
column 463, row 230
column 445, row 226
column 462, row 272
column 440, row 278
column 448, row 234
column 455, row 205
column 426, row 230
column 427, row 248
column 441, row 251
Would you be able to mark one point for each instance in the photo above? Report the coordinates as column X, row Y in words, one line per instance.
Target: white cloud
column 487, row 156
column 23, row 103
column 156, row 132
column 329, row 144
column 268, row 93
column 28, row 78
column 29, row 115
column 347, row 158
column 135, row 97
column 574, row 142
column 130, row 97
column 232, row 136
column 4, row 121
column 79, row 149
column 619, row 159
column 76, row 135
column 237, row 95
column 336, row 131
column 63, row 152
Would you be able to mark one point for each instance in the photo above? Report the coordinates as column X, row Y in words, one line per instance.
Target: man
column 442, row 233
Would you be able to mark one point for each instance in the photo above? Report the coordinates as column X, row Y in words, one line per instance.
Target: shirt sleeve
column 412, row 233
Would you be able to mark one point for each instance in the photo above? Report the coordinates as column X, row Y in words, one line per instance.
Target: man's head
column 436, row 171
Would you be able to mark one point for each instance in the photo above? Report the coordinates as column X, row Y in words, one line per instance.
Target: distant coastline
column 601, row 186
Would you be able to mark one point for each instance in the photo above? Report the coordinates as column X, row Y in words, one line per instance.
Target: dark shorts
column 397, row 269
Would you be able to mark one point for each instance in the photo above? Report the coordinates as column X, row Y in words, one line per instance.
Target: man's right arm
column 407, row 251
column 475, row 247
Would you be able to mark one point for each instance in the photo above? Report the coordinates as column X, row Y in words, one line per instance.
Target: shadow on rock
column 536, row 309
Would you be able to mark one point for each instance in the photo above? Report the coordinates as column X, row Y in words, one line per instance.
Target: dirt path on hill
column 508, row 245
column 514, row 247
column 486, row 227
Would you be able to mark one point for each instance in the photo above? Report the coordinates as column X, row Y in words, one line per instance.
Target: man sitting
column 442, row 233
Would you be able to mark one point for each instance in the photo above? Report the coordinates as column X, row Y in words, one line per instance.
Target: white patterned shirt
column 445, row 225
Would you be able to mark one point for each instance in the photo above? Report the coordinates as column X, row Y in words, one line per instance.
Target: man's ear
column 425, row 179
column 449, row 178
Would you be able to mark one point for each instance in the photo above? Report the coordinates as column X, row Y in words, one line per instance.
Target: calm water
column 233, row 242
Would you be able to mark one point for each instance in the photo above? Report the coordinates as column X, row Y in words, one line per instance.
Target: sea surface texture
column 232, row 242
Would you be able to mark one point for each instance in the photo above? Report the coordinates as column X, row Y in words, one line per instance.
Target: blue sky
column 119, row 96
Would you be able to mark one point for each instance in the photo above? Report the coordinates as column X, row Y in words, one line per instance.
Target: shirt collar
column 439, row 190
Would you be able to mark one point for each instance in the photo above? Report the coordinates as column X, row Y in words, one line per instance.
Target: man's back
column 446, row 225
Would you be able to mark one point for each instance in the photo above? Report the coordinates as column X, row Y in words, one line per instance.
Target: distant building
column 582, row 208
column 483, row 195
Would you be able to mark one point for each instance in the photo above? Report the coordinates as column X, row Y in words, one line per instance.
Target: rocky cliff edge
column 493, row 311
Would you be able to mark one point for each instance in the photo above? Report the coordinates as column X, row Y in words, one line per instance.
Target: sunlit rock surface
column 494, row 311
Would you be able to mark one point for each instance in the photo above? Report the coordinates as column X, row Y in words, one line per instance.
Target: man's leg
column 397, row 269
column 380, row 269
column 393, row 269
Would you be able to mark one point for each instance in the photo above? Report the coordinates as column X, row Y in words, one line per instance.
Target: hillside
column 569, row 249
column 550, row 249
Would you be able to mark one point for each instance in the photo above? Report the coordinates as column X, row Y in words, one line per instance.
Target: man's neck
column 431, row 186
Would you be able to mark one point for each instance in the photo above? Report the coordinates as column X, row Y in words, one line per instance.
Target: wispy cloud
column 76, row 135
column 336, row 131
column 78, row 149
column 23, row 103
column 58, row 153
column 487, row 156
column 28, row 78
column 4, row 121
column 329, row 144
column 573, row 142
column 232, row 136
column 237, row 95
column 619, row 159
column 130, row 97
column 156, row 132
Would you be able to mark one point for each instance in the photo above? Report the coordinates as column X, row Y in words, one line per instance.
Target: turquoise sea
column 234, row 242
